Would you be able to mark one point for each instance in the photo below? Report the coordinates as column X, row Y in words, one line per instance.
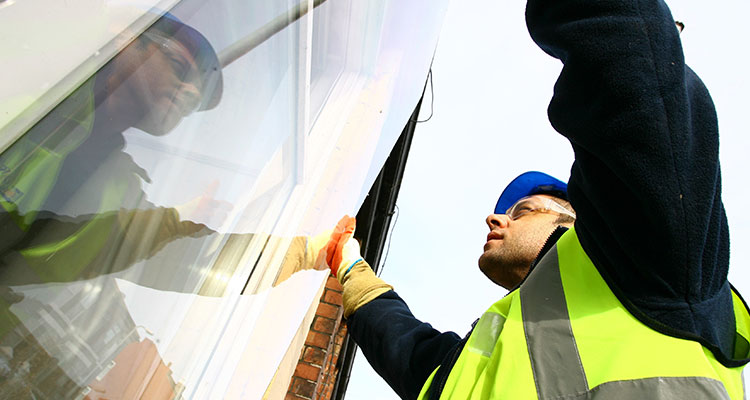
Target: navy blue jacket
column 645, row 183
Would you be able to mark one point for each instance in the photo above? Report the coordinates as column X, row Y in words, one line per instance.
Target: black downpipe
column 373, row 224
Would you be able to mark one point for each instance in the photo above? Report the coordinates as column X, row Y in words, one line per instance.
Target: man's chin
column 487, row 265
column 491, row 257
column 493, row 267
column 496, row 280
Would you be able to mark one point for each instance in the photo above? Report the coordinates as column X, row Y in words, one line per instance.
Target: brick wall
column 316, row 372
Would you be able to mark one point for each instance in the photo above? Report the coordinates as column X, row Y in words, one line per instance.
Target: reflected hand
column 315, row 254
column 205, row 209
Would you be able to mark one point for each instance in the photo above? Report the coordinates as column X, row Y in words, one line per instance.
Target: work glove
column 345, row 258
column 342, row 250
column 312, row 252
column 321, row 249
column 315, row 254
column 359, row 281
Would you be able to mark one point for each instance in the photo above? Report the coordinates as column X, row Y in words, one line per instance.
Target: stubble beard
column 508, row 262
column 507, row 265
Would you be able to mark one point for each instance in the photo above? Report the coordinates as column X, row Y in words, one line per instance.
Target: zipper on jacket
column 551, row 241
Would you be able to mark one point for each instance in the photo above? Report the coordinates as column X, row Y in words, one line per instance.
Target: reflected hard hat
column 202, row 52
column 527, row 184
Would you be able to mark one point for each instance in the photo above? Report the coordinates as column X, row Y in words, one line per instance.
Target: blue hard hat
column 527, row 184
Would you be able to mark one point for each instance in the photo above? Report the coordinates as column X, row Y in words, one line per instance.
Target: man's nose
column 497, row 220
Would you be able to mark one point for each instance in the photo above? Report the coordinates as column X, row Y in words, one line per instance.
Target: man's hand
column 205, row 209
column 349, row 255
column 341, row 253
column 342, row 248
column 334, row 249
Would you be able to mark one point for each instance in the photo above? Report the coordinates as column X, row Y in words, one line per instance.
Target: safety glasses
column 532, row 204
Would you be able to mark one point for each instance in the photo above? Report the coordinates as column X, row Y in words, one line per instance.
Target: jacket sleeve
column 64, row 249
column 646, row 180
column 401, row 349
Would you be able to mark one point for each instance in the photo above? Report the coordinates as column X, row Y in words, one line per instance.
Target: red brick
column 316, row 372
column 328, row 310
column 307, row 371
column 318, row 339
column 314, row 355
column 333, row 284
column 326, row 393
column 340, row 334
column 332, row 297
column 303, row 388
column 324, row 325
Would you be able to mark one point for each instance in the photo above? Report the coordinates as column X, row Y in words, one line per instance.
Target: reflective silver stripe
column 555, row 361
column 556, row 364
column 485, row 334
column 671, row 388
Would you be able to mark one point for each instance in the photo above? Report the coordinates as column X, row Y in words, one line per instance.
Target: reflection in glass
column 73, row 210
column 329, row 38
column 144, row 221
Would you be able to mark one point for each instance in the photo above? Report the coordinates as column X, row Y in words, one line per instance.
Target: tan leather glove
column 315, row 251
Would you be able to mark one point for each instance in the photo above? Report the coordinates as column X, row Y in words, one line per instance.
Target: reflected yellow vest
column 564, row 335
column 29, row 170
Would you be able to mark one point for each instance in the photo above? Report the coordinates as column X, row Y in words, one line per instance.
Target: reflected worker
column 72, row 207
column 626, row 298
column 70, row 195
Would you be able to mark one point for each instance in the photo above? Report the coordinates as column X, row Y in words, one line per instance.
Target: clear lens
column 536, row 204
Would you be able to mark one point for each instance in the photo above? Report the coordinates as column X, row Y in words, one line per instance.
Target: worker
column 625, row 297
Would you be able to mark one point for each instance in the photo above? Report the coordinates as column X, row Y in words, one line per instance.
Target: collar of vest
column 551, row 241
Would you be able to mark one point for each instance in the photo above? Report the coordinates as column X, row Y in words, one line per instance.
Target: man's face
column 162, row 83
column 512, row 245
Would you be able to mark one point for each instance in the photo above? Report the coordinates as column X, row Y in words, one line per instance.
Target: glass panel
column 128, row 210
column 329, row 49
column 156, row 188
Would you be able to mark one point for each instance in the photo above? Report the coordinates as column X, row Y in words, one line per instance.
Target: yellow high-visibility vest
column 564, row 335
column 29, row 167
column 29, row 170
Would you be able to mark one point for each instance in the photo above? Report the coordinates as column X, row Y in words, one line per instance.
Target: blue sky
column 492, row 86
